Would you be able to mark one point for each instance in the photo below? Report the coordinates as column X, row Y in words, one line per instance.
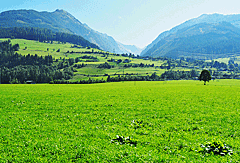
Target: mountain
column 208, row 36
column 43, row 34
column 130, row 48
column 59, row 21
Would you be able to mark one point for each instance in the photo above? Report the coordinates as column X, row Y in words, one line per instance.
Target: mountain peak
column 60, row 11
column 58, row 21
column 202, row 36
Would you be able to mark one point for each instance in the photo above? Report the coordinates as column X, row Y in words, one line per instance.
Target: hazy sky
column 132, row 22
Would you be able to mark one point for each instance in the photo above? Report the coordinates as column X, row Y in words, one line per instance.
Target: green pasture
column 225, row 60
column 91, row 69
column 43, row 49
column 165, row 121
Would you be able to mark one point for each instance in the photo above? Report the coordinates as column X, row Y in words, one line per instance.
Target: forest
column 43, row 34
column 17, row 68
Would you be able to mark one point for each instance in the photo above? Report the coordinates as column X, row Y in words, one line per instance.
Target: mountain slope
column 43, row 34
column 206, row 32
column 130, row 48
column 59, row 21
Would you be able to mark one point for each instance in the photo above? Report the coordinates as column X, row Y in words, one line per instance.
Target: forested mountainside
column 60, row 21
column 43, row 34
column 206, row 37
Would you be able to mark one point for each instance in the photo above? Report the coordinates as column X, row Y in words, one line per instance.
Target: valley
column 101, row 66
column 71, row 94
column 60, row 52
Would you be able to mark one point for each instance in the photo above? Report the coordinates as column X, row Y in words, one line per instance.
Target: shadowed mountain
column 208, row 36
column 59, row 21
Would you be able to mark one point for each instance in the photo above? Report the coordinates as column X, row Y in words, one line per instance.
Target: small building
column 29, row 82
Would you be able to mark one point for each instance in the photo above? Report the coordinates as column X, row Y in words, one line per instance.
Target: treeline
column 89, row 81
column 168, row 75
column 42, row 34
column 212, row 64
column 177, row 75
column 138, row 65
column 9, row 58
column 16, row 68
column 105, row 66
column 36, row 74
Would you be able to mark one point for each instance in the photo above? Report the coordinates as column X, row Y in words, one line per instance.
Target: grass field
column 43, row 49
column 166, row 121
column 225, row 60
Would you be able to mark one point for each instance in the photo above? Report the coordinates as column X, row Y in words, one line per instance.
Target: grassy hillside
column 169, row 121
column 60, row 21
column 66, row 51
column 225, row 60
column 99, row 65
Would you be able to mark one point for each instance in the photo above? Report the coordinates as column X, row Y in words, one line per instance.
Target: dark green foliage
column 16, row 47
column 41, row 34
column 137, row 124
column 168, row 75
column 205, row 76
column 16, row 68
column 89, row 58
column 177, row 75
column 39, row 74
column 218, row 65
column 105, row 66
column 216, row 148
column 124, row 140
column 138, row 65
column 80, row 65
column 89, row 81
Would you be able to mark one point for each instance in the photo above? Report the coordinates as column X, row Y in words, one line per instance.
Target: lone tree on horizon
column 205, row 76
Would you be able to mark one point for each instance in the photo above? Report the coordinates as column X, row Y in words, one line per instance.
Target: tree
column 16, row 47
column 231, row 66
column 205, row 76
column 194, row 73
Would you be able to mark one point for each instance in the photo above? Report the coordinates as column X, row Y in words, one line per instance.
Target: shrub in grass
column 124, row 140
column 137, row 124
column 216, row 148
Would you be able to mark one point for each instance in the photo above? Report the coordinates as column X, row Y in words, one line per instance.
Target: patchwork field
column 66, row 51
column 169, row 121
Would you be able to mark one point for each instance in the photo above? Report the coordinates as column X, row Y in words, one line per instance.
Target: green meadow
column 66, row 51
column 168, row 121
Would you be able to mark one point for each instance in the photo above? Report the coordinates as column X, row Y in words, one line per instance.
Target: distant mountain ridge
column 60, row 21
column 214, row 34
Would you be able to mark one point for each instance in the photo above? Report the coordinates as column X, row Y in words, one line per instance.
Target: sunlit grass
column 54, row 123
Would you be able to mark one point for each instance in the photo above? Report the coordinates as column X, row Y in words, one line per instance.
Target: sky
column 131, row 22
